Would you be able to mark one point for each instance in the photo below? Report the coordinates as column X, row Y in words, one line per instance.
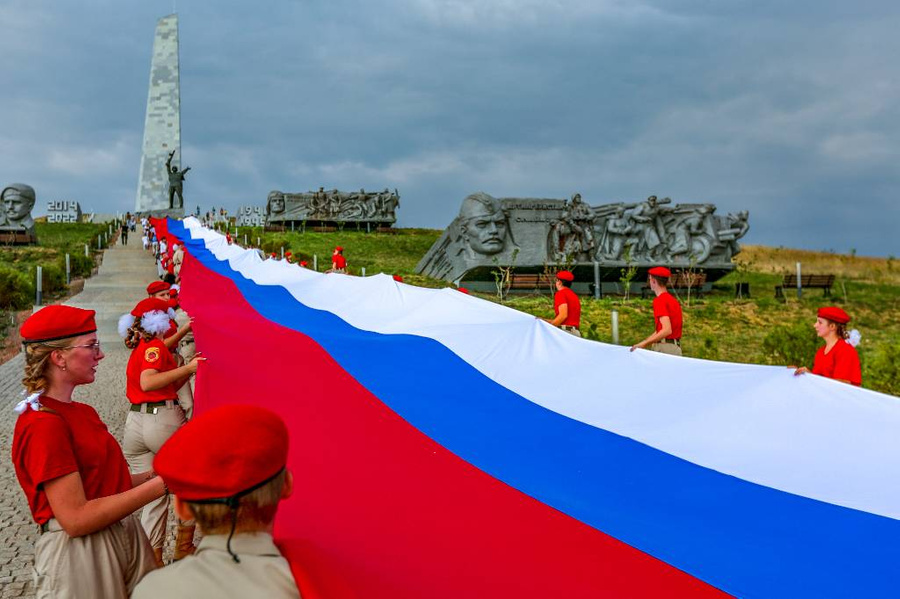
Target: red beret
column 338, row 249
column 303, row 263
column 156, row 287
column 660, row 271
column 398, row 278
column 223, row 452
column 463, row 290
column 57, row 322
column 149, row 305
column 565, row 275
column 273, row 254
column 834, row 314
column 288, row 254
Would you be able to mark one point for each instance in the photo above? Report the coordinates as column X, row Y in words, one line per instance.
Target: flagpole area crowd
column 103, row 509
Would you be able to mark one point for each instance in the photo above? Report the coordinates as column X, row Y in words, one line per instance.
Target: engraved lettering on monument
column 250, row 216
column 61, row 211
column 550, row 232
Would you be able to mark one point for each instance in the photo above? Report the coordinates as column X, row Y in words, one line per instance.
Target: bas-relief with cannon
column 332, row 207
column 532, row 233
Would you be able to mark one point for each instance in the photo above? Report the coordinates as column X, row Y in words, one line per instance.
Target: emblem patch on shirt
column 151, row 354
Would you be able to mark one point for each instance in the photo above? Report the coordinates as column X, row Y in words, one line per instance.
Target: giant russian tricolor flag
column 446, row 446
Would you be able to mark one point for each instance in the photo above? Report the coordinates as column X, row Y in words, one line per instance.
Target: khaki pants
column 185, row 392
column 571, row 330
column 107, row 563
column 144, row 435
column 667, row 348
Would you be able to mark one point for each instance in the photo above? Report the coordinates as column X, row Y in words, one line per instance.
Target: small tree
column 627, row 273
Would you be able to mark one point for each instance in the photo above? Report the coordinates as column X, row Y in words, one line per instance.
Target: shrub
column 80, row 264
column 791, row 345
column 16, row 288
column 54, row 278
column 882, row 371
column 274, row 244
column 709, row 348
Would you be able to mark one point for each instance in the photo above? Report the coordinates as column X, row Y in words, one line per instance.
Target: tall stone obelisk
column 162, row 126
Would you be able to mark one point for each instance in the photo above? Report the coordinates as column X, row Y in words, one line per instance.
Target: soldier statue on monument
column 176, row 182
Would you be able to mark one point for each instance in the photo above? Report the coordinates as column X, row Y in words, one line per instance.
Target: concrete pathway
column 113, row 291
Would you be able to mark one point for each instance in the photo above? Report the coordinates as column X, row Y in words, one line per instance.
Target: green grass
column 18, row 264
column 717, row 326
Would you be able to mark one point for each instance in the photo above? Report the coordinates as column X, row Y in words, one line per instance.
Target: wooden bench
column 681, row 282
column 531, row 282
column 823, row 282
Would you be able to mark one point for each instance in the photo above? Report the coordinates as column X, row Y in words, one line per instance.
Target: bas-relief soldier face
column 484, row 227
column 276, row 203
column 16, row 206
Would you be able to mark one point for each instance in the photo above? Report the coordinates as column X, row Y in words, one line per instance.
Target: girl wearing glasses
column 153, row 380
column 72, row 470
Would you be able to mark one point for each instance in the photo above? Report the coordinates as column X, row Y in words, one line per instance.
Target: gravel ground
column 119, row 284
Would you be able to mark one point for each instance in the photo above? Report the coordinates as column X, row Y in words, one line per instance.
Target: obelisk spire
column 162, row 126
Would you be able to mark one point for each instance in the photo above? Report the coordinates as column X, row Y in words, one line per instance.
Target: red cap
column 834, row 314
column 288, row 254
column 157, row 286
column 57, row 322
column 303, row 263
column 273, row 254
column 398, row 278
column 463, row 290
column 223, row 452
column 149, row 305
column 338, row 249
column 565, row 275
column 660, row 271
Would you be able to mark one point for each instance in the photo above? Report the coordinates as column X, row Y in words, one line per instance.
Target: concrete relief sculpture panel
column 63, row 212
column 550, row 232
column 16, row 222
column 333, row 207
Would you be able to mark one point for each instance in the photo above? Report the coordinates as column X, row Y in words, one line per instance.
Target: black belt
column 567, row 327
column 675, row 341
column 44, row 527
column 149, row 407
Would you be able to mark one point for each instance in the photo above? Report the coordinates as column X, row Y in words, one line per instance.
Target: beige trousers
column 107, row 563
column 144, row 435
column 667, row 348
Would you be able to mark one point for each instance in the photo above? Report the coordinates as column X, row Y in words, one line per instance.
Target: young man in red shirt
column 566, row 305
column 666, row 315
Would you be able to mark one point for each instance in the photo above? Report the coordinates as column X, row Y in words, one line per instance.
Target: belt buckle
column 153, row 411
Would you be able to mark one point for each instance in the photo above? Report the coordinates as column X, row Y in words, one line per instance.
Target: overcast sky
column 788, row 109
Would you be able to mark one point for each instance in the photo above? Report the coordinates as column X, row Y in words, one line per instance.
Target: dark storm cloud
column 788, row 109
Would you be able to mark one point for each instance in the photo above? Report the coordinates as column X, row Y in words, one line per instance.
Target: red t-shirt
column 665, row 304
column 74, row 439
column 570, row 298
column 842, row 362
column 339, row 261
column 149, row 355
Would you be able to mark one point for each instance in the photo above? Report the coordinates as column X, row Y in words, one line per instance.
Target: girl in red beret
column 153, row 379
column 72, row 470
column 837, row 359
